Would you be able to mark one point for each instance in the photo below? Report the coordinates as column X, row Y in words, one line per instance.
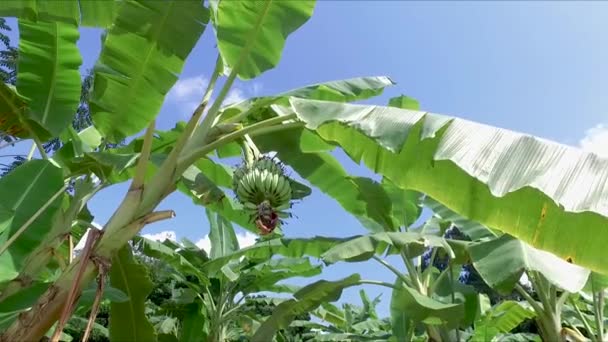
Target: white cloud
column 234, row 96
column 188, row 88
column 162, row 236
column 187, row 93
column 596, row 140
column 245, row 240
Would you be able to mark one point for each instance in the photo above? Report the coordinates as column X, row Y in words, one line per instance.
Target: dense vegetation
column 501, row 258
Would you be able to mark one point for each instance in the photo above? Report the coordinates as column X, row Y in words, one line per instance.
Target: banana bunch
column 262, row 181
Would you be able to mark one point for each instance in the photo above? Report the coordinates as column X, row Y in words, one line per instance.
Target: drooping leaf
column 426, row 310
column 49, row 76
column 353, row 89
column 31, row 186
column 128, row 321
column 306, row 299
column 501, row 263
column 140, row 61
column 538, row 191
column 502, row 318
column 222, row 236
column 362, row 248
column 251, row 34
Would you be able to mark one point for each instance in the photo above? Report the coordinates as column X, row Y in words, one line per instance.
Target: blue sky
column 534, row 67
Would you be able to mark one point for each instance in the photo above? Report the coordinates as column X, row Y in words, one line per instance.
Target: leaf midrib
column 29, row 187
column 251, row 38
column 152, row 47
column 53, row 84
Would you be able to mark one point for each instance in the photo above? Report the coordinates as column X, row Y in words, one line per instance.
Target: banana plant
column 424, row 298
column 504, row 260
column 216, row 286
column 352, row 323
column 537, row 191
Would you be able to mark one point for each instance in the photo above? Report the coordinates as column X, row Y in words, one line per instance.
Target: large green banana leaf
column 49, row 76
column 33, row 190
column 501, row 263
column 128, row 321
column 306, row 299
column 95, row 13
column 251, row 34
column 140, row 61
column 551, row 196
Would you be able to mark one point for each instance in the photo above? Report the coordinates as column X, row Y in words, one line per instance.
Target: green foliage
column 49, row 59
column 137, row 67
column 502, row 318
column 251, row 35
column 502, row 261
column 306, row 299
column 414, row 150
column 26, row 217
column 493, row 185
column 127, row 320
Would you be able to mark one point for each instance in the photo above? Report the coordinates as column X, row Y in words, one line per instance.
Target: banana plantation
column 488, row 234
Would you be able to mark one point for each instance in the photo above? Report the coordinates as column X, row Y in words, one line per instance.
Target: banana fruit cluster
column 262, row 181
